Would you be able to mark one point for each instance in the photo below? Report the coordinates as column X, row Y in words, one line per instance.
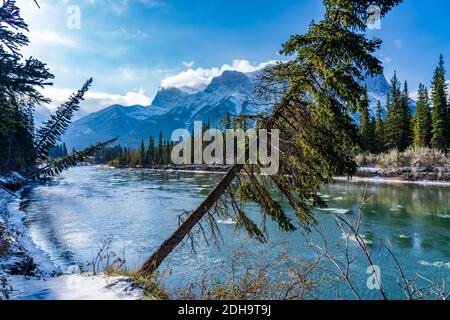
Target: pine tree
column 151, row 151
column 422, row 119
column 364, row 129
column 20, row 81
column 227, row 121
column 160, row 151
column 405, row 120
column 167, row 152
column 393, row 129
column 48, row 136
column 372, row 137
column 439, row 132
column 398, row 126
column 142, row 154
column 380, row 129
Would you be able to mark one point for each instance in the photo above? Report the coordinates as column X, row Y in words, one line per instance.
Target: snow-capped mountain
column 173, row 108
column 232, row 92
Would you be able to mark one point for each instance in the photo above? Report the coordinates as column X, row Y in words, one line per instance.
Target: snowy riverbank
column 425, row 175
column 27, row 273
column 420, row 175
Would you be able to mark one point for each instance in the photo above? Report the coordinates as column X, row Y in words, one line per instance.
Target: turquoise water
column 70, row 216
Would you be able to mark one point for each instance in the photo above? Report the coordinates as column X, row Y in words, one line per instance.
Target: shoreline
column 383, row 180
column 417, row 176
column 28, row 273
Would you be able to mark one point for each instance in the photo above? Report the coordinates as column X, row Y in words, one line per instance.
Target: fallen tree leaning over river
column 316, row 92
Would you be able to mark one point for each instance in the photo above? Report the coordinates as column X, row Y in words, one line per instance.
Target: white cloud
column 95, row 100
column 51, row 37
column 192, row 80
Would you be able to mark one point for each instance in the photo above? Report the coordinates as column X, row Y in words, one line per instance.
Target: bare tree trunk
column 152, row 264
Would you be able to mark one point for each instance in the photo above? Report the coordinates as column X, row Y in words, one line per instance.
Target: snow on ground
column 75, row 287
column 21, row 246
column 394, row 181
column 30, row 274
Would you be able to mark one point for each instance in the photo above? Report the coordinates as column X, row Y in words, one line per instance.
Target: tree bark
column 153, row 263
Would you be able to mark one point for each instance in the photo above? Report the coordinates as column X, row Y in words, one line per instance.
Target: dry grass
column 111, row 264
column 253, row 276
column 412, row 158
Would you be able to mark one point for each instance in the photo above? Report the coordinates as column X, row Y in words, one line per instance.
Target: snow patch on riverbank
column 75, row 287
column 27, row 272
column 393, row 181
column 21, row 244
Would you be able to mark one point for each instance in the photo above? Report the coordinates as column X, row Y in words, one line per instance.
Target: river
column 70, row 216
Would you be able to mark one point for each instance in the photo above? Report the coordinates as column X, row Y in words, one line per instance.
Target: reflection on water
column 71, row 215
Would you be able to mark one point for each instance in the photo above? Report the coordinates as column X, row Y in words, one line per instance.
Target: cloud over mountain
column 95, row 100
column 194, row 80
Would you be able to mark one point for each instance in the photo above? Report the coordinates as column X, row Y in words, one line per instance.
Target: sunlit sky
column 131, row 47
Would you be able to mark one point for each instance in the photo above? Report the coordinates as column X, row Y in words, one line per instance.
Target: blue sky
column 130, row 47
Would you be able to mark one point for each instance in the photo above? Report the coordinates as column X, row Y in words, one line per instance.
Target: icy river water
column 70, row 216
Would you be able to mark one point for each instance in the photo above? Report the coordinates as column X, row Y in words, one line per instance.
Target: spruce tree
column 394, row 125
column 227, row 121
column 372, row 137
column 20, row 81
column 439, row 132
column 405, row 120
column 160, row 151
column 388, row 124
column 151, row 151
column 364, row 129
column 48, row 136
column 380, row 129
column 142, row 154
column 398, row 126
column 422, row 119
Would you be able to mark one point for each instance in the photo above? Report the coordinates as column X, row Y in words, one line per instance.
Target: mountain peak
column 377, row 83
column 169, row 97
column 173, row 108
column 230, row 79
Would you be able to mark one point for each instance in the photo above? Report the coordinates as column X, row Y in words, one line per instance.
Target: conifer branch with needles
column 48, row 136
column 70, row 161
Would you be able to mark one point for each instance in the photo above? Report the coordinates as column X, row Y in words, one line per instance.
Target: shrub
column 412, row 157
